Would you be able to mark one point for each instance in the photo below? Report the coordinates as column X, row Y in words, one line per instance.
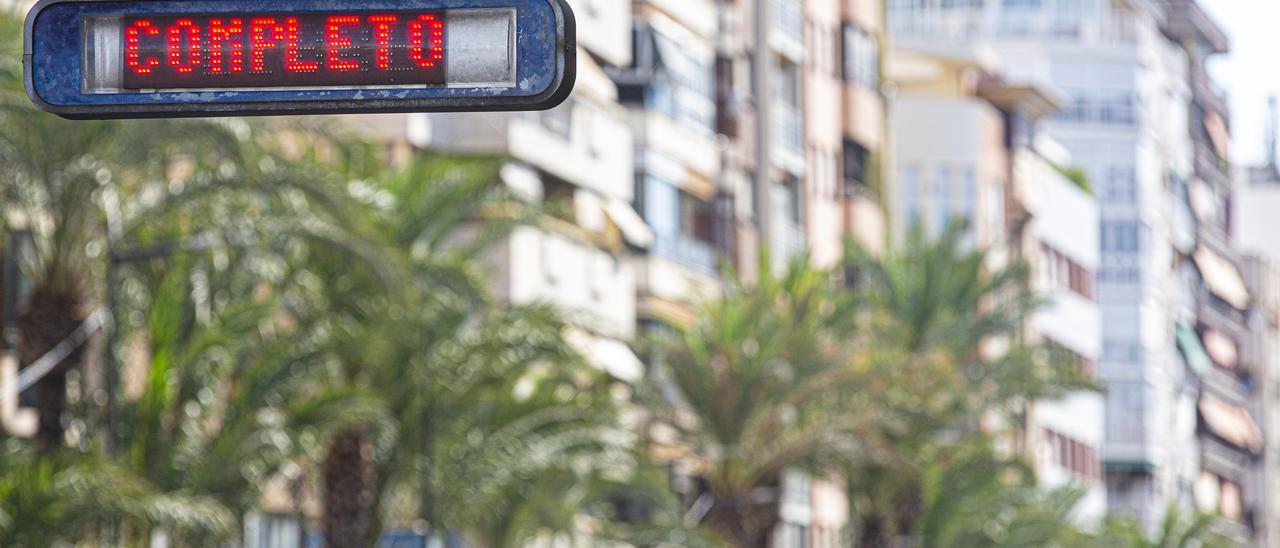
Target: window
column 941, row 199
column 861, row 57
column 910, row 194
column 1060, row 271
column 855, row 157
column 683, row 226
column 726, row 119
column 786, row 118
column 1121, row 184
column 1120, row 236
column 968, row 195
column 1073, row 455
column 1105, row 108
column 786, row 201
column 787, row 83
column 684, row 86
column 662, row 206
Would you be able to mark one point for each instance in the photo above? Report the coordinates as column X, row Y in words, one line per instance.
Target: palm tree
column 49, row 500
column 232, row 390
column 974, row 498
column 62, row 182
column 487, row 401
column 762, row 384
column 1177, row 530
column 944, row 359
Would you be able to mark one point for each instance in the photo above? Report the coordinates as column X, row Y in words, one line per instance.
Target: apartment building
column 742, row 115
column 577, row 160
column 844, row 126
column 1125, row 124
column 1263, row 345
column 1231, row 442
column 968, row 148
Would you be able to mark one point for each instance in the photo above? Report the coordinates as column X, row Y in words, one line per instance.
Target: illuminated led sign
column 96, row 58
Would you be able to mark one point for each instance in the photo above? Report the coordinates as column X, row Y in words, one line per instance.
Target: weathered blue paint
column 545, row 64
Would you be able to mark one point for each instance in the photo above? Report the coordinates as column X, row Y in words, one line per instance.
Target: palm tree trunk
column 50, row 317
column 349, row 480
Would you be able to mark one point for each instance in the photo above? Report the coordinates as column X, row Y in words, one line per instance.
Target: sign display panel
column 281, row 50
column 102, row 58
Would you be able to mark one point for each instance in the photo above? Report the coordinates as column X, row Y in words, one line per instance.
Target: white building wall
column 1067, row 221
column 1255, row 209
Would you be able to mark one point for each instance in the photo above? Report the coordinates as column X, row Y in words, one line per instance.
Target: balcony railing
column 958, row 25
column 685, row 250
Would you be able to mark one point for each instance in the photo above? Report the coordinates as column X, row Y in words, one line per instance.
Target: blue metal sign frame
column 545, row 52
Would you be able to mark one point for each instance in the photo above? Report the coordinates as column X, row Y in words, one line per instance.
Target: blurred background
column 785, row 273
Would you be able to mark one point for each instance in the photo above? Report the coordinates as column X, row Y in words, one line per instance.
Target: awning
column 1219, row 135
column 609, row 355
column 1207, row 492
column 1221, row 348
column 1231, row 423
column 1223, row 278
column 1192, row 350
column 1203, row 202
column 632, row 226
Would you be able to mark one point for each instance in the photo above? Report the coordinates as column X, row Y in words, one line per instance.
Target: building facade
column 1230, row 440
column 1132, row 75
column 674, row 157
column 968, row 148
column 1254, row 201
column 1263, row 345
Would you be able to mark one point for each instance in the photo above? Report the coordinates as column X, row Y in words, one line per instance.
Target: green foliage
column 1078, row 176
column 48, row 500
column 974, row 498
column 763, row 384
column 929, row 309
column 1177, row 530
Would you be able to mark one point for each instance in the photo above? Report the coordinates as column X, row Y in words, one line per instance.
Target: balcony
column 1213, row 97
column 604, row 29
column 588, row 146
column 585, row 143
column 1207, row 163
column 685, row 251
column 961, row 25
column 692, row 148
column 557, row 265
column 1119, row 30
column 677, row 272
column 953, row 24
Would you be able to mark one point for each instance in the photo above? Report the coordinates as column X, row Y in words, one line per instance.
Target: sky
column 1251, row 72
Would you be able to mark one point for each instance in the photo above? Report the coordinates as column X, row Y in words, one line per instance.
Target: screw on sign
column 100, row 59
